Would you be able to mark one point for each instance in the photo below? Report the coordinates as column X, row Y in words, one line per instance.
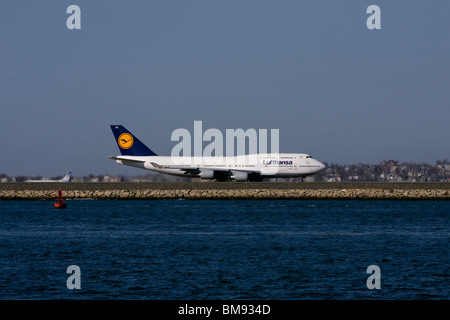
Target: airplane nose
column 322, row 166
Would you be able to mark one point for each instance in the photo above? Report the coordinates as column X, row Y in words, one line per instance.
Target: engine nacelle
column 239, row 176
column 206, row 174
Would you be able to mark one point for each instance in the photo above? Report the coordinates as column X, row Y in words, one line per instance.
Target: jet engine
column 239, row 175
column 206, row 174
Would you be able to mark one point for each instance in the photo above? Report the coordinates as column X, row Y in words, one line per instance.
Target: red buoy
column 60, row 204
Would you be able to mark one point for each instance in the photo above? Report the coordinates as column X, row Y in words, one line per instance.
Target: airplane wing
column 197, row 170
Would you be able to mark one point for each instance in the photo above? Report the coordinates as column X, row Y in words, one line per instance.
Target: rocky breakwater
column 149, row 191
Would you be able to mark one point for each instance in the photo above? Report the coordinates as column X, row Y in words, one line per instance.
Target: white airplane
column 66, row 178
column 237, row 168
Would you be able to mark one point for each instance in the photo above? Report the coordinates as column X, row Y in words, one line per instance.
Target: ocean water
column 187, row 249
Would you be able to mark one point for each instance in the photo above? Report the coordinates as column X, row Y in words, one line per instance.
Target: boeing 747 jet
column 254, row 167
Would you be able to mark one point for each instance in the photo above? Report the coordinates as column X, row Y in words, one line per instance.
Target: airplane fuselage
column 247, row 167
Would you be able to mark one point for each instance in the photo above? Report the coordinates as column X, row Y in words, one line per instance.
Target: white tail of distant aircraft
column 66, row 178
column 237, row 168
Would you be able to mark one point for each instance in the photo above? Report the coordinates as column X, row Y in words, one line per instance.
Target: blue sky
column 312, row 69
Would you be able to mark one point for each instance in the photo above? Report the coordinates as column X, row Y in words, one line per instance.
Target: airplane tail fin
column 128, row 144
column 67, row 177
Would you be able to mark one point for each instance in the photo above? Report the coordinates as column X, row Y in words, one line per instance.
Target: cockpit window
column 308, row 157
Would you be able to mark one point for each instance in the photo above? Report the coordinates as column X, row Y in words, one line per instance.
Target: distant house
column 8, row 179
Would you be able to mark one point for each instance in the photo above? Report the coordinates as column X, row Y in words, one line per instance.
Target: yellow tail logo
column 125, row 140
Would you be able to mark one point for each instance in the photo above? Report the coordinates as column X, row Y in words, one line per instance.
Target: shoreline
column 226, row 191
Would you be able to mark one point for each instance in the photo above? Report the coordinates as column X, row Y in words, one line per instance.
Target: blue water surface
column 206, row 249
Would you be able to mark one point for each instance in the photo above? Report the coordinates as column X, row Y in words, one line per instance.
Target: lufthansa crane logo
column 125, row 140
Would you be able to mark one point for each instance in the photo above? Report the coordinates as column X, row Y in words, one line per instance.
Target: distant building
column 112, row 179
